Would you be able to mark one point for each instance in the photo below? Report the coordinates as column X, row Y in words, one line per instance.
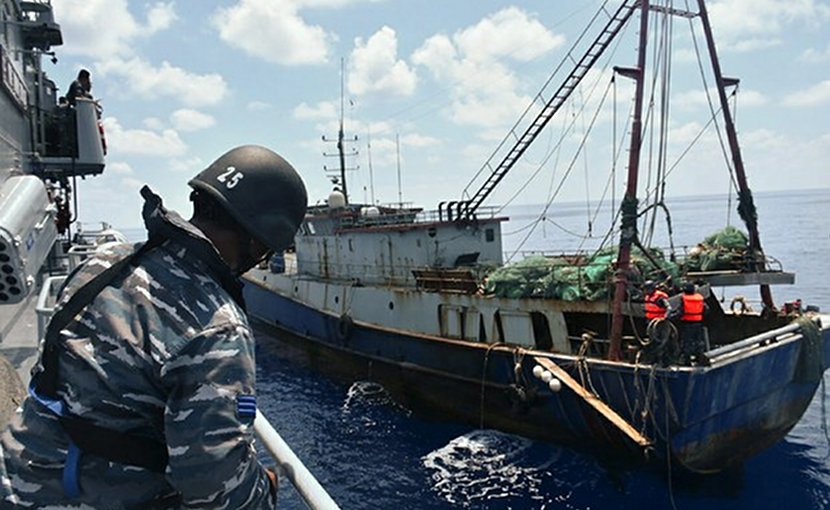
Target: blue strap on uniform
column 71, row 487
column 54, row 405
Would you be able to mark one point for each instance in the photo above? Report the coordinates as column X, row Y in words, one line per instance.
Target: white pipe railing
column 313, row 494
column 754, row 341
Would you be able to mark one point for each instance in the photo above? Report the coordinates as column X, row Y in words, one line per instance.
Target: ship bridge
column 61, row 141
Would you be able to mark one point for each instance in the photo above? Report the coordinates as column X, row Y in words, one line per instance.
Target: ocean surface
column 371, row 453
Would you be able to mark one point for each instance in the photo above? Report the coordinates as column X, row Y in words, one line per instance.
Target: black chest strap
column 120, row 447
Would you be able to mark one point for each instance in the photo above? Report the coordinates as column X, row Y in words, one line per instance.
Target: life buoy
column 344, row 327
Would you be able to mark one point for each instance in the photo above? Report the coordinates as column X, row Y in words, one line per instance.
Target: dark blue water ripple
column 370, row 452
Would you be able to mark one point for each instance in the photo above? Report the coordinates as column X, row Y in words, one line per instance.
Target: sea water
column 371, row 453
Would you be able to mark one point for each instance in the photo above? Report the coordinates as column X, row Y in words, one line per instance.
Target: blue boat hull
column 708, row 418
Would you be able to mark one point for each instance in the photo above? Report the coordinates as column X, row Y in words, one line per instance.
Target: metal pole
column 314, row 495
column 746, row 207
column 398, row 151
column 628, row 232
column 340, row 148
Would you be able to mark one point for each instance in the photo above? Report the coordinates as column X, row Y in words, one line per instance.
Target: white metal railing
column 46, row 301
column 754, row 341
column 312, row 493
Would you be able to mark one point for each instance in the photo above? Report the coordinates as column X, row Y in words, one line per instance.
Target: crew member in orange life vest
column 656, row 301
column 692, row 332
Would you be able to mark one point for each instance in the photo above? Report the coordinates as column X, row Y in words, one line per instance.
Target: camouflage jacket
column 165, row 352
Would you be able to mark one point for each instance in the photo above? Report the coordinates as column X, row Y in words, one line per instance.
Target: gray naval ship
column 45, row 147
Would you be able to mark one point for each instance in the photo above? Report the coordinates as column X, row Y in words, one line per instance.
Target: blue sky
column 183, row 81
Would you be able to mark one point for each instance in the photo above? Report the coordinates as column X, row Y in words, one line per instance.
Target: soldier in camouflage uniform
column 164, row 353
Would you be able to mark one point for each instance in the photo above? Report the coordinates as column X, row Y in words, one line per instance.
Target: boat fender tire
column 345, row 324
column 742, row 306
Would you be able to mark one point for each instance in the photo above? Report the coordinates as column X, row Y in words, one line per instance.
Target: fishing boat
column 410, row 298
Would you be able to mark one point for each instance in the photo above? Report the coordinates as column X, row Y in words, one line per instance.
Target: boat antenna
column 341, row 142
column 746, row 204
column 398, row 150
column 628, row 227
column 340, row 137
column 371, row 174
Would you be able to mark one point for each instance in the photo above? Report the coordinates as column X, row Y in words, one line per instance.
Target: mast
column 398, row 151
column 371, row 176
column 341, row 145
column 746, row 205
column 628, row 230
column 340, row 139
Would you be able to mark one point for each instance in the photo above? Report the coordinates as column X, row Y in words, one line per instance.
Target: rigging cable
column 729, row 191
column 567, row 172
column 562, row 140
column 558, row 145
column 542, row 215
column 709, row 101
column 512, row 132
column 587, row 181
column 665, row 103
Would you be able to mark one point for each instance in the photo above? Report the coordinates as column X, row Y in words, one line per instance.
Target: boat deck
column 18, row 353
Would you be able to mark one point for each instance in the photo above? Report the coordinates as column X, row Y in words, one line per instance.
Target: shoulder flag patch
column 246, row 406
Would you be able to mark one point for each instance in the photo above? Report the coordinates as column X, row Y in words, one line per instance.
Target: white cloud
column 190, row 165
column 416, row 140
column 191, row 120
column 375, row 67
column 815, row 56
column 258, row 106
column 483, row 89
column 745, row 25
column 273, row 30
column 120, row 168
column 816, row 95
column 510, row 32
column 132, row 183
column 153, row 123
column 323, row 110
column 149, row 82
column 106, row 28
column 696, row 99
column 142, row 141
column 160, row 17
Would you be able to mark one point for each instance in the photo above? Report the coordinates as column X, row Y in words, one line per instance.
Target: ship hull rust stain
column 716, row 417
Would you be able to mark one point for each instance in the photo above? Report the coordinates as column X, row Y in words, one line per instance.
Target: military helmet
column 260, row 190
column 649, row 285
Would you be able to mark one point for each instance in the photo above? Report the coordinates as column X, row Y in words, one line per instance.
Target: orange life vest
column 692, row 308
column 653, row 309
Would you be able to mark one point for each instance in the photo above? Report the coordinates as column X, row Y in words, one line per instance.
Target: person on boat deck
column 656, row 301
column 154, row 379
column 692, row 332
column 80, row 87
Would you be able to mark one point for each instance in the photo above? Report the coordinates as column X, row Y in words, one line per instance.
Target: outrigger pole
column 746, row 205
column 628, row 230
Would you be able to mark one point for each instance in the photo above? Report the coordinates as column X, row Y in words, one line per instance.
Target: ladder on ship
column 616, row 20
